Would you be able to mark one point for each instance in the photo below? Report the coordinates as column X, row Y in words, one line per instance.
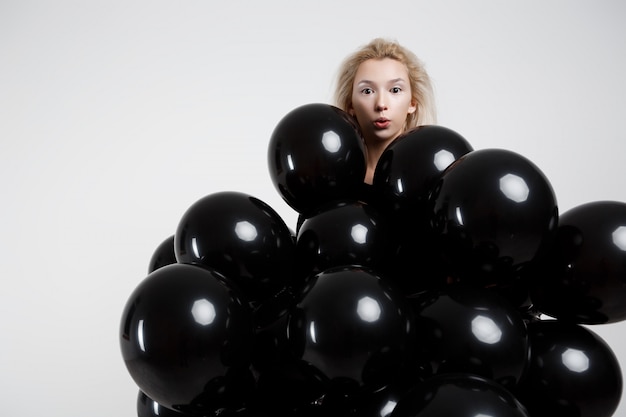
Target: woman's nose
column 380, row 105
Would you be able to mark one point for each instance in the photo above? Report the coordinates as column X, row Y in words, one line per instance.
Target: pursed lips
column 382, row 122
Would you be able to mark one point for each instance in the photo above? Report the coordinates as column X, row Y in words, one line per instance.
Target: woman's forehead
column 377, row 70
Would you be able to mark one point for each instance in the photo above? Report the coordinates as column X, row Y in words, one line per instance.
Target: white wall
column 116, row 115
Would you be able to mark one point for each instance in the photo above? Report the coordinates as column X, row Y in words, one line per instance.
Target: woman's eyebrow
column 392, row 81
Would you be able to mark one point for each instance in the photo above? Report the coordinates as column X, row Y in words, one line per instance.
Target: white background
column 115, row 116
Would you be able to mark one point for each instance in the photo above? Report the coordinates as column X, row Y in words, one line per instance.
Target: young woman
column 386, row 88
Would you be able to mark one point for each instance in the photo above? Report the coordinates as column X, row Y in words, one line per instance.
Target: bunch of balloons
column 450, row 286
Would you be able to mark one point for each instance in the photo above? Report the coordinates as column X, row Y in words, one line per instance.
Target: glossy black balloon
column 316, row 155
column 459, row 395
column 494, row 213
column 573, row 372
column 474, row 331
column 405, row 175
column 147, row 407
column 411, row 165
column 185, row 337
column 240, row 236
column 583, row 276
column 352, row 327
column 163, row 255
column 343, row 233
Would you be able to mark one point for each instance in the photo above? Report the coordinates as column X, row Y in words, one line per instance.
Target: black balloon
column 352, row 328
column 459, row 395
column 472, row 331
column 316, row 155
column 494, row 213
column 147, row 407
column 583, row 276
column 343, row 233
column 572, row 372
column 163, row 255
column 405, row 176
column 410, row 166
column 185, row 337
column 240, row 236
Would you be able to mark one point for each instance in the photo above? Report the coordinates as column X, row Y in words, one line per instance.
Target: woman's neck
column 374, row 151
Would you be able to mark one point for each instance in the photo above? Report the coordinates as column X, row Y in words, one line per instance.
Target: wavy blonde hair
column 421, row 87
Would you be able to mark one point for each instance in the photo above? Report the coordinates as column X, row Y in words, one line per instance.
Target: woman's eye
column 396, row 89
column 367, row 91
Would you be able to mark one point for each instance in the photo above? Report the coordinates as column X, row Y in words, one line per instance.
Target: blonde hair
column 421, row 87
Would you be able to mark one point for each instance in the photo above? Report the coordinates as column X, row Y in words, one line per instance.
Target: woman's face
column 381, row 99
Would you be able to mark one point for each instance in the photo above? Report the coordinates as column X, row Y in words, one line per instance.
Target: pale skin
column 381, row 101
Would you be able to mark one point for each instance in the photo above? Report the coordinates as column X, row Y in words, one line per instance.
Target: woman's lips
column 382, row 123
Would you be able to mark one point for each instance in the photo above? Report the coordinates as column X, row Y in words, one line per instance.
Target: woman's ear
column 412, row 107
